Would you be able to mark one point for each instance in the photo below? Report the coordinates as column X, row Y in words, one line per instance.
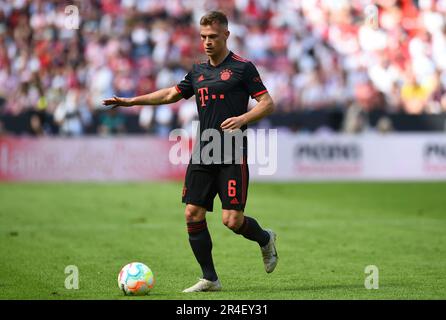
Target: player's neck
column 215, row 61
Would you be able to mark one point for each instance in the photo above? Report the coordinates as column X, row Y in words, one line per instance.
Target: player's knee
column 194, row 213
column 225, row 221
column 232, row 223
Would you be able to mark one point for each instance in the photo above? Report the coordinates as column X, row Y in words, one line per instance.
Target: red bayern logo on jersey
column 225, row 74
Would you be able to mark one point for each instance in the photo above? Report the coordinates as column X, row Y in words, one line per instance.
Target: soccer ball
column 136, row 279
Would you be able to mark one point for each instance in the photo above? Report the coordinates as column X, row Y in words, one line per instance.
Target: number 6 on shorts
column 231, row 188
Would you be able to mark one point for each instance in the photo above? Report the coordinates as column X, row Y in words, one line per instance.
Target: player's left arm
column 263, row 108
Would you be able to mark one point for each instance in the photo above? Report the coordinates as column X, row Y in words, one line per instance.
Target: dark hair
column 214, row 16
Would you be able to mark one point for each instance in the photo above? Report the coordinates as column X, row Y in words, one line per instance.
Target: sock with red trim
column 251, row 230
column 201, row 244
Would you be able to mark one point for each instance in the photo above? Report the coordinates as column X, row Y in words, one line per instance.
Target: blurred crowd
column 57, row 62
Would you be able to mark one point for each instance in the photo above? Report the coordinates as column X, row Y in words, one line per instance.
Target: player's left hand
column 232, row 123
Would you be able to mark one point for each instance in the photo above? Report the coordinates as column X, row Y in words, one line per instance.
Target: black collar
column 224, row 60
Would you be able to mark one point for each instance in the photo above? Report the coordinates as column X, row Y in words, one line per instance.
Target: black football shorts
column 204, row 182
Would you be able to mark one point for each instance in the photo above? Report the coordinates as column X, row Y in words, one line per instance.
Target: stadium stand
column 329, row 65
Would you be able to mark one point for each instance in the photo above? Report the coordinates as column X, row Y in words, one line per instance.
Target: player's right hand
column 116, row 102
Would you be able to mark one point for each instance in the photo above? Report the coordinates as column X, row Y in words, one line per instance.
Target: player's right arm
column 162, row 96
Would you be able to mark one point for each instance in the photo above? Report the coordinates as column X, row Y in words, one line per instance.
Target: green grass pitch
column 327, row 234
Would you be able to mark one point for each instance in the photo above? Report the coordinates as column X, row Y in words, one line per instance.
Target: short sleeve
column 252, row 81
column 185, row 87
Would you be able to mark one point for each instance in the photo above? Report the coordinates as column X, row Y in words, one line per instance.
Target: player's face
column 214, row 38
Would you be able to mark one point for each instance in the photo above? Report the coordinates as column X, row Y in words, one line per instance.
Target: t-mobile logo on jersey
column 204, row 96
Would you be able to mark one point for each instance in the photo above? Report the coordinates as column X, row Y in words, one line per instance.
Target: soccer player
column 222, row 86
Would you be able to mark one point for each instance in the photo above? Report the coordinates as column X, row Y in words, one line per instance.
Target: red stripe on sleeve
column 237, row 57
column 259, row 93
column 178, row 89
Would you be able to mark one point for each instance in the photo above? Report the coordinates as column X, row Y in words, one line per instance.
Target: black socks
column 251, row 230
column 201, row 244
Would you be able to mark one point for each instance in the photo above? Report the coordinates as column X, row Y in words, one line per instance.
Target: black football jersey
column 222, row 92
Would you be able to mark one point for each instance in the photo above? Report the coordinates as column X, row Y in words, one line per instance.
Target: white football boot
column 269, row 252
column 204, row 285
